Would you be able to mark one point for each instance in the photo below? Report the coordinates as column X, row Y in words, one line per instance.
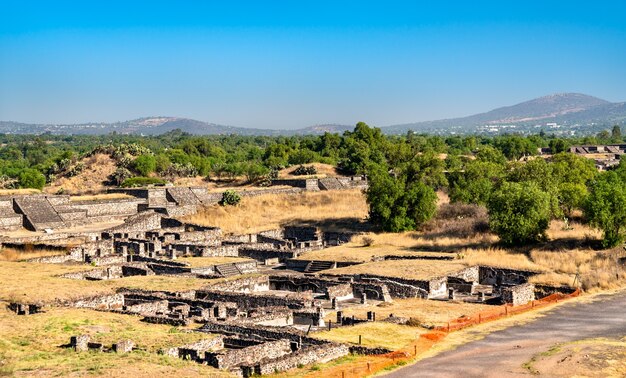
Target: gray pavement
column 501, row 353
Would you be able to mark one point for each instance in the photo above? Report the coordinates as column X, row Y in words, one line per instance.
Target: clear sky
column 291, row 64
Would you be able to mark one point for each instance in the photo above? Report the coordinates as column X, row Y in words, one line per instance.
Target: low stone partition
column 246, row 301
column 305, row 356
column 243, row 285
column 501, row 276
column 195, row 351
column 542, row 291
column 268, row 316
column 400, row 287
column 99, row 302
column 265, row 254
column 229, row 358
column 519, row 294
column 262, row 333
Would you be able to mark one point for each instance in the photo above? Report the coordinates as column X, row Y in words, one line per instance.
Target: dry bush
column 11, row 254
column 458, row 220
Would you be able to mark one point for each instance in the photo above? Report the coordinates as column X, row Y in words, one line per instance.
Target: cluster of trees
column 522, row 195
column 405, row 171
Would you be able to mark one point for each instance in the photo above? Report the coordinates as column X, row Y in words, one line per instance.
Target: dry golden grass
column 576, row 231
column 500, row 258
column 207, row 261
column 409, row 269
column 19, row 192
column 11, row 254
column 33, row 282
column 598, row 270
column 99, row 197
column 32, row 347
column 92, row 179
column 268, row 212
column 323, row 170
column 427, row 312
column 370, row 245
column 373, row 334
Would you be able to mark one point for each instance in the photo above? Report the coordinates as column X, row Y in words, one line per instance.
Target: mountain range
column 573, row 113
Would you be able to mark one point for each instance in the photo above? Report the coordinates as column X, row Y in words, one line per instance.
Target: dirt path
column 502, row 353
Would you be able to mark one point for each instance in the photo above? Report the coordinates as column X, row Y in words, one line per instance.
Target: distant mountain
column 321, row 129
column 563, row 112
column 560, row 108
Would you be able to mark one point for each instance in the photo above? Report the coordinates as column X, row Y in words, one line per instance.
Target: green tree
column 476, row 183
column 616, row 134
column 397, row 205
column 31, row 178
column 519, row 212
column 605, row 207
column 145, row 164
column 557, row 145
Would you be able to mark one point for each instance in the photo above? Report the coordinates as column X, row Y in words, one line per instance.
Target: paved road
column 502, row 353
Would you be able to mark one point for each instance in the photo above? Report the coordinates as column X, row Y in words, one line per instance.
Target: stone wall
column 234, row 357
column 245, row 301
column 501, row 276
column 199, row 347
column 265, row 254
column 100, row 302
column 305, row 356
column 243, row 285
column 519, row 294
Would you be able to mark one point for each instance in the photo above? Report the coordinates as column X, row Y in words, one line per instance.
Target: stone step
column 227, row 270
column 182, row 196
column 316, row 266
column 38, row 212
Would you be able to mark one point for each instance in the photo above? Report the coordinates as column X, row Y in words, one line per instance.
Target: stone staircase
column 316, row 266
column 38, row 213
column 227, row 270
column 182, row 196
column 330, row 183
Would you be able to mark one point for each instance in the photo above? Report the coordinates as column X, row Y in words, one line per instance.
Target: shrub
column 134, row 182
column 519, row 212
column 302, row 170
column 32, row 178
column 397, row 204
column 120, row 175
column 368, row 241
column 606, row 207
column 145, row 164
column 230, row 198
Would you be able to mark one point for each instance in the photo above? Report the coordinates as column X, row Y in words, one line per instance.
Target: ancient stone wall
column 228, row 358
column 243, row 285
column 469, row 275
column 100, row 302
column 305, row 356
column 500, row 276
column 294, row 301
column 519, row 294
column 264, row 254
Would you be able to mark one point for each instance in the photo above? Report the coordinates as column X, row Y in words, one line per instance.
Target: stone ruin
column 260, row 315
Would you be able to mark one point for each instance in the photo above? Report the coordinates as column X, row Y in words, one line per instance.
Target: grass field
column 32, row 346
column 268, row 212
column 373, row 334
column 24, row 282
column 408, row 269
column 427, row 312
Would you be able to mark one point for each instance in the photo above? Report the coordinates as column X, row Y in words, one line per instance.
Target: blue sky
column 291, row 64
